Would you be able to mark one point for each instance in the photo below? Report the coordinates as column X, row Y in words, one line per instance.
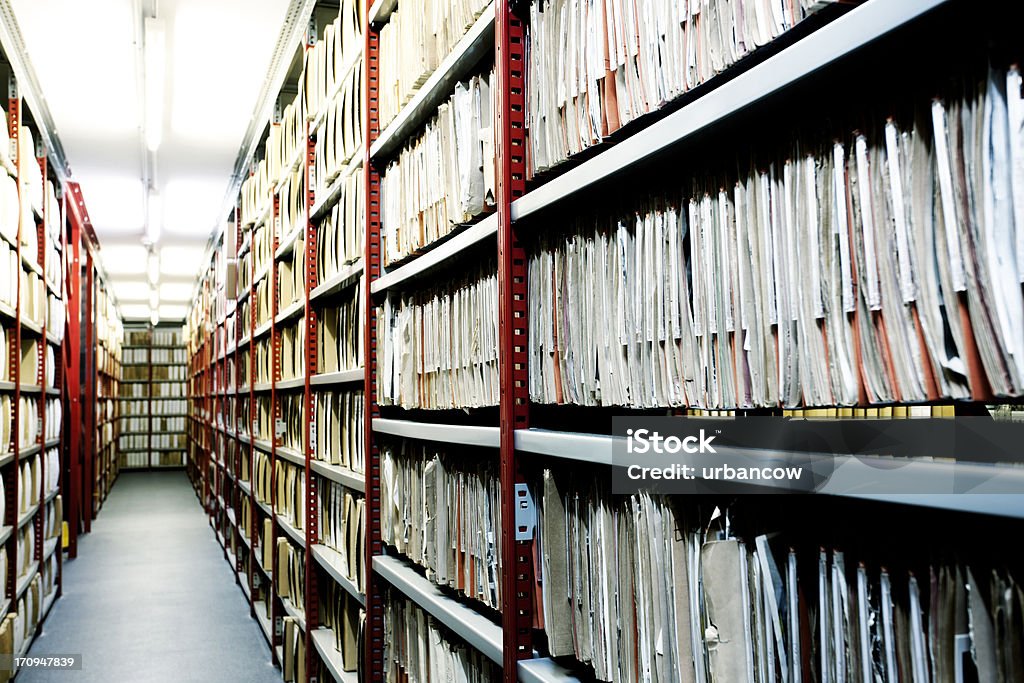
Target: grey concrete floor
column 150, row 598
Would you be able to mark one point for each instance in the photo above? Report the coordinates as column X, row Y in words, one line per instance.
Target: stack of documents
column 419, row 648
column 639, row 592
column 341, row 613
column 865, row 268
column 340, row 234
column 414, row 42
column 605, row 64
column 443, row 512
column 339, row 429
column 445, row 176
column 340, row 136
column 340, row 333
column 342, row 528
column 438, row 348
column 293, row 347
column 293, row 416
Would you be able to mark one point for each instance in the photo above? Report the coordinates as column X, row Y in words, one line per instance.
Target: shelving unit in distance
column 153, row 398
column 275, row 341
column 32, row 374
column 109, row 335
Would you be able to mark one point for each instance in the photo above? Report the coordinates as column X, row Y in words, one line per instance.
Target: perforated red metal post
column 89, row 394
column 517, row 574
column 374, row 627
column 72, row 467
column 277, row 610
column 312, row 606
column 14, row 361
column 37, row 551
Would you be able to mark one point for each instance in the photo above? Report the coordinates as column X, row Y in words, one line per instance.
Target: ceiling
column 93, row 71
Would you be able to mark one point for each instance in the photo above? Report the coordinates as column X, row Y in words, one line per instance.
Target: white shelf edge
column 290, row 531
column 323, row 640
column 337, row 281
column 988, row 495
column 291, row 455
column 340, row 377
column 857, row 28
column 467, row 52
column 478, row 631
column 381, row 10
column 341, row 475
column 295, row 613
column 326, row 558
column 435, row 257
column 429, row 431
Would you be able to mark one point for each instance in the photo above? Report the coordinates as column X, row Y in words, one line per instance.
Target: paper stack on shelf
column 593, row 70
column 699, row 289
column 413, row 44
column 340, row 234
column 342, row 519
column 292, row 349
column 339, row 429
column 445, row 176
column 419, row 648
column 290, row 482
column 340, row 333
column 341, row 613
column 438, row 348
column 443, row 511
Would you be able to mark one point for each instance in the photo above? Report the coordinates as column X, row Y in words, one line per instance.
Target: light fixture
column 155, row 55
column 154, row 317
column 154, row 268
column 155, row 217
column 154, row 299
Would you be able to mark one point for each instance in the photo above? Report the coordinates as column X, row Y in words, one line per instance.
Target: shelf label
column 312, row 436
column 278, row 627
column 279, row 428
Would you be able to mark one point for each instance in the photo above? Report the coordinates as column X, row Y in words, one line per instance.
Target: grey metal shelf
column 832, row 42
column 343, row 278
column 477, row 630
column 381, row 10
column 330, row 379
column 341, row 475
column 477, row 42
column 323, row 641
column 436, row 256
column 989, row 494
column 487, row 437
column 331, row 562
column 297, row 536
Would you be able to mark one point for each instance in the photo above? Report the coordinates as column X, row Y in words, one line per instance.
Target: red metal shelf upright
column 517, row 592
column 14, row 361
column 373, row 631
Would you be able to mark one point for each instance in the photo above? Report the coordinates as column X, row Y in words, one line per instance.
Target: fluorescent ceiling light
column 130, row 291
column 173, row 311
column 155, row 53
column 176, row 291
column 100, row 36
column 180, row 261
column 154, row 298
column 154, row 218
column 135, row 311
column 124, row 259
column 154, row 317
column 115, row 203
column 193, row 205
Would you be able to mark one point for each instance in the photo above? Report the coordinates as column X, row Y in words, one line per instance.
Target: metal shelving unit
column 507, row 230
